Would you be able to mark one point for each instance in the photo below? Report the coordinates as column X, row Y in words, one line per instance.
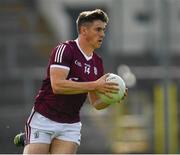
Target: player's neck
column 84, row 45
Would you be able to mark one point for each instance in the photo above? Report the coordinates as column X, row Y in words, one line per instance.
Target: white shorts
column 40, row 129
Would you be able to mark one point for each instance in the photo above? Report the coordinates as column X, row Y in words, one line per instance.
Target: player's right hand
column 104, row 87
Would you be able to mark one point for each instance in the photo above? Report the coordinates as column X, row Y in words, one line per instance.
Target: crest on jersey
column 95, row 70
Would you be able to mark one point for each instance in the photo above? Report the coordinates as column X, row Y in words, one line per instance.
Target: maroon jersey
column 65, row 108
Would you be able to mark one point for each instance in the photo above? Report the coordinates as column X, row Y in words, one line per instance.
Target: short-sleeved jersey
column 66, row 108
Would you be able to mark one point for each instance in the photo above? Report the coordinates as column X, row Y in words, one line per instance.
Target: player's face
column 95, row 32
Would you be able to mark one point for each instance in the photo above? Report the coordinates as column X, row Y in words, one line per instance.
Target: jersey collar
column 86, row 57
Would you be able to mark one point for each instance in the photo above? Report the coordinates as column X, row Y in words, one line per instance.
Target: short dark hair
column 90, row 16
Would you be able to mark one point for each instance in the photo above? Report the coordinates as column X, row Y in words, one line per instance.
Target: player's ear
column 83, row 30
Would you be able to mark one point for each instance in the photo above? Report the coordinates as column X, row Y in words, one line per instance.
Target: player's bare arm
column 96, row 101
column 61, row 85
column 106, row 87
column 94, row 98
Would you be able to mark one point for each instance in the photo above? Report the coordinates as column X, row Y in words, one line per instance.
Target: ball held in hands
column 115, row 97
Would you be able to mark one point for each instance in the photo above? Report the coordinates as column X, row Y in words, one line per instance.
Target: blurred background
column 142, row 45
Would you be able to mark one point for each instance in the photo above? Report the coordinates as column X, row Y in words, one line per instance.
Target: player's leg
column 37, row 141
column 38, row 134
column 19, row 140
column 68, row 140
column 36, row 148
column 63, row 147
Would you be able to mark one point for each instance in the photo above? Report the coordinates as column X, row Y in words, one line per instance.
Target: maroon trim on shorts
column 28, row 128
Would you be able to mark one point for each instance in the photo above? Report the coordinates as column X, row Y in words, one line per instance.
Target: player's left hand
column 124, row 97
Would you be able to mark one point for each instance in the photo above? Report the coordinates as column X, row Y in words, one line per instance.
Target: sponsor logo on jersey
column 74, row 79
column 78, row 63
